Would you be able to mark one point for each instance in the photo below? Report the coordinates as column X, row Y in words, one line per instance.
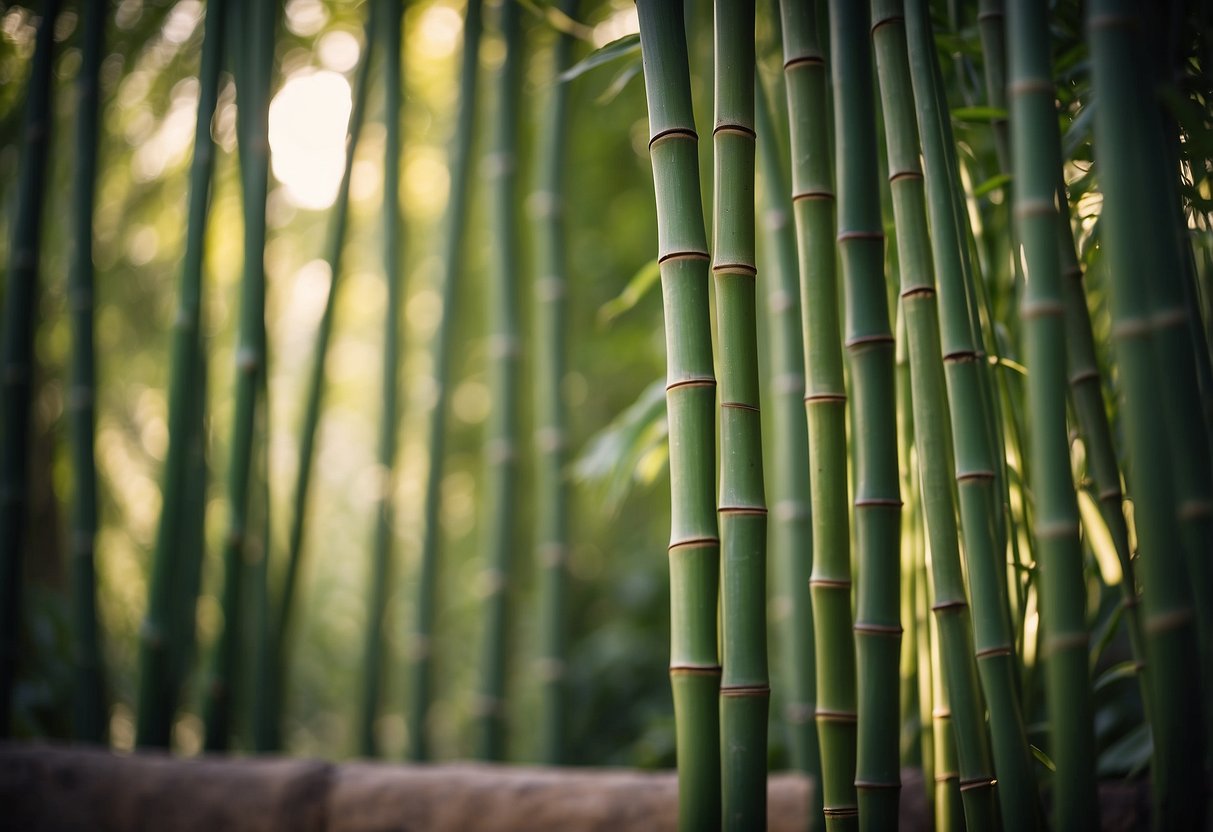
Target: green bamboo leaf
column 1079, row 131
column 992, row 184
column 1102, row 637
column 620, row 83
column 628, row 45
column 1043, row 758
column 979, row 115
column 627, row 450
column 644, row 280
column 1128, row 755
column 558, row 20
column 1115, row 673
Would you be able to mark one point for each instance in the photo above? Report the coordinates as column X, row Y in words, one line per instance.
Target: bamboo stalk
column 1036, row 156
column 283, row 623
column 975, row 454
column 825, row 403
column 744, row 690
column 931, row 415
column 501, row 429
column 694, row 551
column 1135, row 250
column 256, row 64
column 392, row 16
column 420, row 653
column 20, row 301
column 551, row 432
column 173, row 584
column 870, row 344
column 791, row 532
column 88, row 693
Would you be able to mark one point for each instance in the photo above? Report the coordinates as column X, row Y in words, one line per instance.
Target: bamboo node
column 1175, row 316
column 826, row 195
column 694, row 381
column 1031, row 310
column 754, row 691
column 804, row 60
column 739, row 406
column 1111, row 20
column 873, row 785
column 844, row 236
column 743, row 511
column 1131, row 328
column 893, row 18
column 690, row 254
column 967, row 476
column 830, row 583
column 694, row 543
column 840, row 811
column 918, row 291
column 825, row 398
column 674, row 133
column 1056, row 530
column 905, row 174
column 1060, row 642
column 739, row 269
column 1030, row 86
column 735, row 127
column 960, row 357
column 695, row 670
column 826, row 715
column 949, row 606
column 878, row 339
column 248, row 360
column 1164, row 621
column 992, row 652
column 985, row 782
column 1194, row 510
column 1084, row 376
column 888, row 630
column 878, row 502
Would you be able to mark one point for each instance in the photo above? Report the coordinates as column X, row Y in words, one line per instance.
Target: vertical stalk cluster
column 282, row 625
column 420, row 646
column 744, row 689
column 790, row 524
column 870, row 344
column 694, row 551
column 176, row 559
column 931, row 414
column 975, row 451
column 254, row 67
column 1136, row 239
column 825, row 406
column 89, row 708
column 551, row 431
column 1036, row 156
column 504, row 349
column 392, row 16
column 17, row 355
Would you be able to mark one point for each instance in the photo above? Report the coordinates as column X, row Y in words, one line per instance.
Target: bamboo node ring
column 674, row 133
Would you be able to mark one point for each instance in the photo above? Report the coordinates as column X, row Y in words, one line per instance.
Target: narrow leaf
column 979, row 115
column 626, row 45
column 994, row 183
column 644, row 280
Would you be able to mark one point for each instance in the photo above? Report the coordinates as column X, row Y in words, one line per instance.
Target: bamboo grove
column 926, row 411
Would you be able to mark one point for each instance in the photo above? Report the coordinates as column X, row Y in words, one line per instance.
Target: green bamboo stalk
column 949, row 801
column 1036, row 157
column 871, row 347
column 283, row 622
column 975, row 454
column 791, row 532
column 931, row 416
column 744, row 690
column 1091, row 415
column 825, row 403
column 501, row 430
column 420, row 652
column 391, row 13
column 1135, row 252
column 256, row 62
column 551, row 431
column 20, row 298
column 88, row 693
column 990, row 17
column 694, row 551
column 161, row 647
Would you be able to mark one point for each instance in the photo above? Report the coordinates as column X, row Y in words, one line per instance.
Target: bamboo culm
column 16, row 402
column 550, row 288
column 790, row 524
column 174, row 578
column 420, row 643
column 89, row 706
column 254, row 66
column 1036, row 159
column 931, row 417
column 694, row 552
column 379, row 574
column 1134, row 251
column 870, row 343
column 976, row 455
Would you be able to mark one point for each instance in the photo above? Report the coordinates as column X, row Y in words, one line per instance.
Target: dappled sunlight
column 308, row 121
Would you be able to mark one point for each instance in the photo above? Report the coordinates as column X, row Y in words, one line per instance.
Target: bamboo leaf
column 631, row 448
column 644, row 280
column 979, row 115
column 558, row 20
column 992, row 184
column 1115, row 673
column 625, row 46
column 1043, row 758
column 620, row 83
column 1099, row 539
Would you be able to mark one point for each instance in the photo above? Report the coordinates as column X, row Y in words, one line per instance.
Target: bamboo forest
column 606, row 414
